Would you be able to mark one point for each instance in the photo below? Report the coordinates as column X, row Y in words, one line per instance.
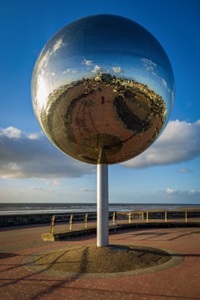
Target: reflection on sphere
column 98, row 94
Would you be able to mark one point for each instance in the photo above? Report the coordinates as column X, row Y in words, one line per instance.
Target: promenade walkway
column 178, row 281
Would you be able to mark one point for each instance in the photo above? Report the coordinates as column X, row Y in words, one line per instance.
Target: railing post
column 70, row 222
column 52, row 224
column 85, row 220
column 114, row 218
column 165, row 216
column 186, row 216
column 147, row 217
column 129, row 218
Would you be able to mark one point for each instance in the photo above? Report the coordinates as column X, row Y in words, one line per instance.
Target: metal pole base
column 102, row 205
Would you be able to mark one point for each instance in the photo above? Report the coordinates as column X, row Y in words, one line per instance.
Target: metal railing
column 84, row 221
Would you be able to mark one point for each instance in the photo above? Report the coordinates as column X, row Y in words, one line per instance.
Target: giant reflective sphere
column 103, row 89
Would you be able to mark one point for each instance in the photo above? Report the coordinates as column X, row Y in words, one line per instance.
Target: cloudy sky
column 32, row 170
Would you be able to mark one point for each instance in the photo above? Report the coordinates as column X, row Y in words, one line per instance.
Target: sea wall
column 27, row 219
column 42, row 218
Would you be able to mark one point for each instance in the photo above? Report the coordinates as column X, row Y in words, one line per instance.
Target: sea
column 61, row 208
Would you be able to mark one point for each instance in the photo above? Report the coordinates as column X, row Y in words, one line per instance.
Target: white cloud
column 34, row 136
column 32, row 155
column 55, row 182
column 11, row 132
column 180, row 142
column 41, row 189
column 185, row 170
column 185, row 195
column 28, row 155
column 171, row 191
column 193, row 192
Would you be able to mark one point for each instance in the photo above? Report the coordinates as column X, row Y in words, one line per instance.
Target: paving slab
column 178, row 281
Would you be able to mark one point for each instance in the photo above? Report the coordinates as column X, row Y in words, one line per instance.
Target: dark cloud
column 25, row 155
column 32, row 155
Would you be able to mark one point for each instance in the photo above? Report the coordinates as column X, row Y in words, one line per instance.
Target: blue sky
column 32, row 170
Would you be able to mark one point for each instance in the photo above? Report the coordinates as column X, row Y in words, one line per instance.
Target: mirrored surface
column 103, row 89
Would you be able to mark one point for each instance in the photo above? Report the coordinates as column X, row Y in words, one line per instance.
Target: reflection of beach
column 120, row 116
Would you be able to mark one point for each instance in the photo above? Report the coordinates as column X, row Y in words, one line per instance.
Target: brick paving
column 180, row 281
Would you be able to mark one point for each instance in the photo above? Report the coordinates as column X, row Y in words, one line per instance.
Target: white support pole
column 102, row 205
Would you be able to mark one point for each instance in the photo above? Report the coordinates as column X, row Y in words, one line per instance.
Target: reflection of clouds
column 149, row 64
column 41, row 89
column 70, row 70
column 97, row 69
column 173, row 96
column 164, row 83
column 117, row 70
column 43, row 61
column 87, row 62
column 57, row 45
column 156, row 73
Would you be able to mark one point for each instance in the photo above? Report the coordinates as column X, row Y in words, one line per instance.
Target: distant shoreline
column 56, row 208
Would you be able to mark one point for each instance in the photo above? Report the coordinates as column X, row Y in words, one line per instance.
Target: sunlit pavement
column 181, row 281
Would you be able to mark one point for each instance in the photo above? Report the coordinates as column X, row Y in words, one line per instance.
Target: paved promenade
column 178, row 281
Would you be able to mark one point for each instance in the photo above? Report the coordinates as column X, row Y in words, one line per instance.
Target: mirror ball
column 102, row 89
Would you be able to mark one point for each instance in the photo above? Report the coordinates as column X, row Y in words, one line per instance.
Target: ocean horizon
column 61, row 208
